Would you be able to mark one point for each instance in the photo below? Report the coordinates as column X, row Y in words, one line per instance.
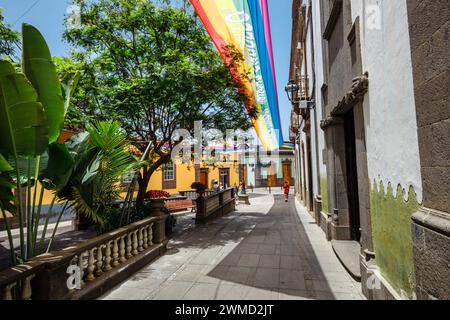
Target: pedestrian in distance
column 286, row 191
column 243, row 189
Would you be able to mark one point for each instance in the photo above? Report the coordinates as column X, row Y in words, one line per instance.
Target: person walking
column 243, row 189
column 286, row 188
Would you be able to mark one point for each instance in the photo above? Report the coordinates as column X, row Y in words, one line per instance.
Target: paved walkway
column 269, row 250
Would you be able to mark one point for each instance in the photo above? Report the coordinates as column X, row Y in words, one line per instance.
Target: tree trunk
column 144, row 179
column 143, row 182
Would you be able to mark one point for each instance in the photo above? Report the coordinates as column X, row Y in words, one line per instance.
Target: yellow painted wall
column 48, row 195
column 185, row 176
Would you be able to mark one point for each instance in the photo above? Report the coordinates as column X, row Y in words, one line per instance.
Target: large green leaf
column 57, row 167
column 6, row 195
column 6, row 186
column 23, row 124
column 84, row 156
column 4, row 164
column 39, row 68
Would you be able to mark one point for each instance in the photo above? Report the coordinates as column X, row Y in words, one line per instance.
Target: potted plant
column 157, row 201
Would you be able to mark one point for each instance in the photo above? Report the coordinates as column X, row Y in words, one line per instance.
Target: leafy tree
column 78, row 113
column 153, row 68
column 9, row 39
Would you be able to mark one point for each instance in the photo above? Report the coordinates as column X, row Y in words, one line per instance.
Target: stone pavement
column 268, row 250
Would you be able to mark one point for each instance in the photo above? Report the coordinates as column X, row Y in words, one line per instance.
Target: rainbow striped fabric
column 243, row 26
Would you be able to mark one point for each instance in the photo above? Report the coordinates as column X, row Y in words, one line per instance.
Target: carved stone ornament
column 330, row 121
column 360, row 86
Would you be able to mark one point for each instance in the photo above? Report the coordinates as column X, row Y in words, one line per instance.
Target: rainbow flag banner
column 243, row 26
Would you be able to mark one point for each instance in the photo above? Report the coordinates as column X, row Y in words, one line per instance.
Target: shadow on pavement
column 273, row 251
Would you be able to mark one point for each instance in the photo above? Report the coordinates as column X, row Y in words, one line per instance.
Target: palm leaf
column 39, row 68
column 84, row 206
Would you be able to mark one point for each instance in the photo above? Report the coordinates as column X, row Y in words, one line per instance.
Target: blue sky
column 48, row 17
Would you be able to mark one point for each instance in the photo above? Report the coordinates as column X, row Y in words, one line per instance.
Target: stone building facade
column 375, row 175
column 428, row 22
column 261, row 169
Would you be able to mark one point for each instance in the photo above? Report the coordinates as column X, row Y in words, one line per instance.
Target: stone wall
column 429, row 25
column 428, row 28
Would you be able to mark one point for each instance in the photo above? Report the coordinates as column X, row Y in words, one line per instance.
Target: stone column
column 159, row 227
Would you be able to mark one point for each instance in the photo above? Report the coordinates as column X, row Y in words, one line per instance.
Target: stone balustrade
column 192, row 194
column 88, row 269
column 215, row 204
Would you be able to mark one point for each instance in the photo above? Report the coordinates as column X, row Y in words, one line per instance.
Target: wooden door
column 272, row 176
column 287, row 172
column 204, row 177
column 352, row 176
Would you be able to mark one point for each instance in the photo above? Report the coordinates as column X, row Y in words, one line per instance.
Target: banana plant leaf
column 4, row 164
column 23, row 124
column 6, row 194
column 83, row 156
column 6, row 186
column 39, row 68
column 56, row 166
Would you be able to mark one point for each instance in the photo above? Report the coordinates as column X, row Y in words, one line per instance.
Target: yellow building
column 174, row 177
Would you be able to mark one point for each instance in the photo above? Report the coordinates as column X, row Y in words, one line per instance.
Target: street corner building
column 371, row 126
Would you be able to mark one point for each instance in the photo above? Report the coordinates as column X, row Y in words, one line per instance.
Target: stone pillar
column 428, row 27
column 317, row 208
column 159, row 227
column 201, row 207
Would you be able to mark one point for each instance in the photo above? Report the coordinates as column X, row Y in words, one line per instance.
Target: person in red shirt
column 286, row 188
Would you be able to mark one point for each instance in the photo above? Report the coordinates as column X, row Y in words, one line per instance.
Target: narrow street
column 268, row 250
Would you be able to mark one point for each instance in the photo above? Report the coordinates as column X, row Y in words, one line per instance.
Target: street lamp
column 291, row 89
column 300, row 106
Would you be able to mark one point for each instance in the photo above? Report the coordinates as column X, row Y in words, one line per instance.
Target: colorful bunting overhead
column 243, row 26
